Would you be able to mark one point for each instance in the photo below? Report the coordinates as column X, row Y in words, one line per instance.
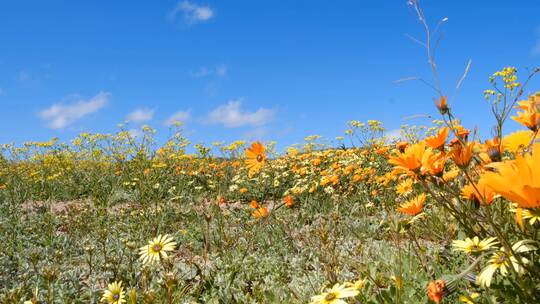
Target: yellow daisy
column 157, row 249
column 474, row 245
column 114, row 294
column 469, row 299
column 405, row 187
column 335, row 295
column 502, row 260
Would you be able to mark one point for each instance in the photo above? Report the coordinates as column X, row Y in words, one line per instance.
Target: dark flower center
column 157, row 247
column 331, row 296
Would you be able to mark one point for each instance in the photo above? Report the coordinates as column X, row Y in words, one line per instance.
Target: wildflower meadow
column 436, row 215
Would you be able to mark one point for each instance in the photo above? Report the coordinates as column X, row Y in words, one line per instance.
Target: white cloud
column 220, row 71
column 193, row 13
column 60, row 115
column 393, row 135
column 231, row 115
column 180, row 116
column 140, row 115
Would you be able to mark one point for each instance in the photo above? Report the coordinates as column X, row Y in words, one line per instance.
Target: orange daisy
column 437, row 141
column 260, row 212
column 517, row 180
column 410, row 160
column 255, row 158
column 433, row 163
column 436, row 290
column 494, row 149
column 414, row 206
column 530, row 116
column 462, row 155
column 288, row 201
column 442, row 105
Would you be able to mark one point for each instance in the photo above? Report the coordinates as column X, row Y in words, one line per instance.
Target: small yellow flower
column 405, row 187
column 533, row 215
column 474, row 245
column 469, row 299
column 114, row 294
column 335, row 295
column 156, row 249
column 357, row 285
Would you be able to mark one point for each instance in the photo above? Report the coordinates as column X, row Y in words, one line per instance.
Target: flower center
column 116, row 296
column 156, row 247
column 501, row 259
column 331, row 296
column 259, row 158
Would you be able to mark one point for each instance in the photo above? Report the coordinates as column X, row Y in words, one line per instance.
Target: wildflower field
column 437, row 216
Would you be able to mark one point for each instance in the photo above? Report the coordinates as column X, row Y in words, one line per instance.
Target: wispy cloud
column 231, row 115
column 192, row 12
column 536, row 48
column 220, row 71
column 61, row 115
column 180, row 116
column 23, row 76
column 140, row 115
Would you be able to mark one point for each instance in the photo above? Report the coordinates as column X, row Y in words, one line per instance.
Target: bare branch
column 464, row 74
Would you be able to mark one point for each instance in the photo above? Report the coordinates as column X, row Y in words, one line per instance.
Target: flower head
column 502, row 260
column 413, row 206
column 335, row 295
column 474, row 245
column 494, row 149
column 437, row 141
column 288, row 201
column 433, row 163
column 533, row 215
column 436, row 290
column 157, row 249
column 530, row 114
column 114, row 294
column 462, row 155
column 255, row 158
column 410, row 160
column 260, row 212
column 405, row 187
column 518, row 141
column 517, row 180
column 442, row 105
column 469, row 299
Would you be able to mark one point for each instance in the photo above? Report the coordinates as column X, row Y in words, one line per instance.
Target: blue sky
column 239, row 69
